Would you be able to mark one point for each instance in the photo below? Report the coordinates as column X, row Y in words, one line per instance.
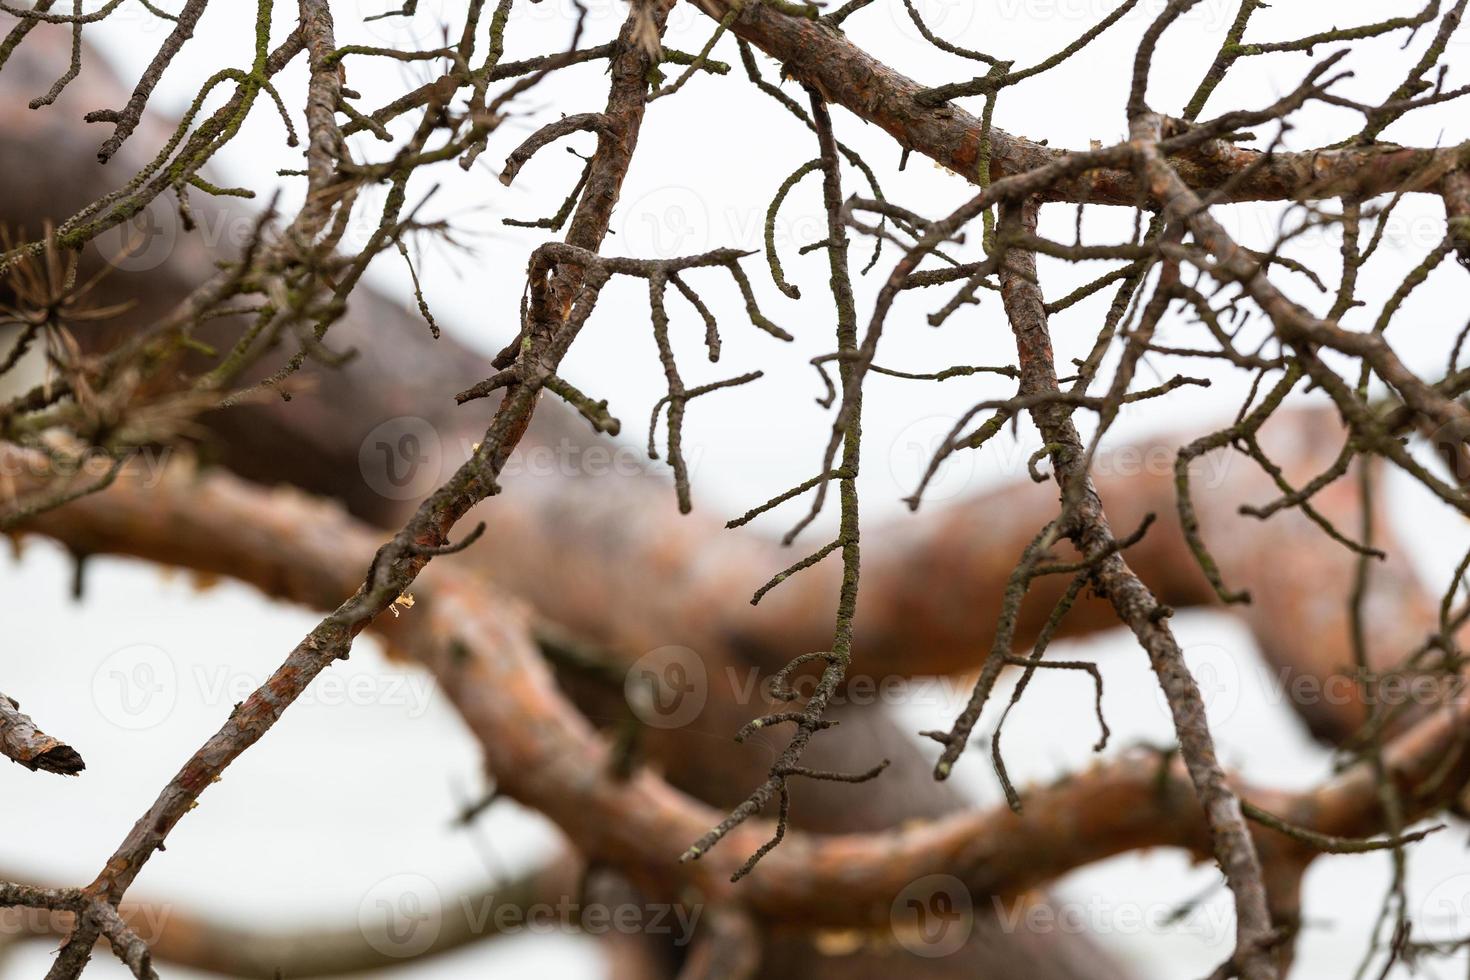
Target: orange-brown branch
column 545, row 754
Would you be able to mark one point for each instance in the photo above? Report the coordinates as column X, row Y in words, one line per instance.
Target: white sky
column 708, row 162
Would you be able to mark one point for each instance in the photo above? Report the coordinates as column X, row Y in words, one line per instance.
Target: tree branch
column 23, row 742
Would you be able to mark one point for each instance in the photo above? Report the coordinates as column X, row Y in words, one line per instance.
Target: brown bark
column 236, row 949
column 821, row 56
column 1084, row 521
column 545, row 754
column 23, row 742
column 683, row 591
column 907, row 626
column 314, row 440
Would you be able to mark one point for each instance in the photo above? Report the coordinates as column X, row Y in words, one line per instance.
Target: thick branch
column 544, row 754
column 227, row 948
column 821, row 56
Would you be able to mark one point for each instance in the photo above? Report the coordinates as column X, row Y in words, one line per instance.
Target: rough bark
column 649, row 580
column 544, row 753
column 26, row 744
column 819, row 55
